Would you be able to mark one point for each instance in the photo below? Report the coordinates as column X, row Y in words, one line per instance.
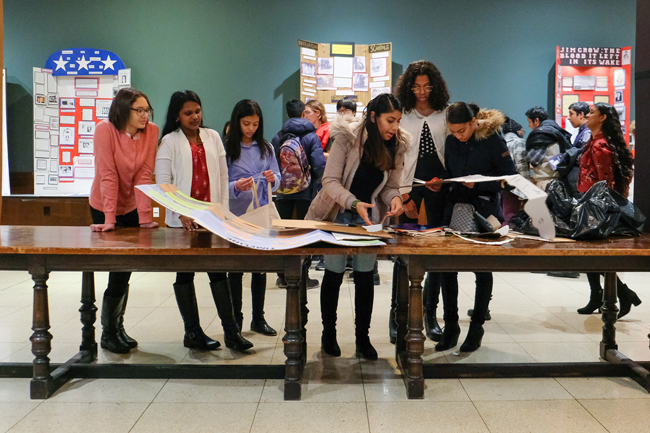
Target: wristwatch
column 353, row 208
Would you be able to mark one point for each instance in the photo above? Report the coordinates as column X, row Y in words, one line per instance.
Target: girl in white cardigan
column 193, row 158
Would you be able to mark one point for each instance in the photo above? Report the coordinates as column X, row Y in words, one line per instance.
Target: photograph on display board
column 86, row 145
column 360, row 83
column 584, row 82
column 67, row 104
column 618, row 97
column 359, row 64
column 308, row 70
column 620, row 109
column 66, row 135
column 65, row 171
column 325, row 82
column 325, row 66
column 378, row 67
column 619, row 78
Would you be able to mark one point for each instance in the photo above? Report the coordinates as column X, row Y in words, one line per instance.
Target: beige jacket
column 342, row 163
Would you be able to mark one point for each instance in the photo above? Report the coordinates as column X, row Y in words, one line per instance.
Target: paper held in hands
column 535, row 206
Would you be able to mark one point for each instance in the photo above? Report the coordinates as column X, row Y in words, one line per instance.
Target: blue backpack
column 294, row 166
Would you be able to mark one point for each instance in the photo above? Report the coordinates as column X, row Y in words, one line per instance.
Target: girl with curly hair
column 424, row 97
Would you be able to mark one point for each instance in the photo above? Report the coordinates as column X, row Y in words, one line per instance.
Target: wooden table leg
column 292, row 325
column 304, row 311
column 88, row 312
column 42, row 385
column 610, row 314
column 415, row 338
column 400, row 287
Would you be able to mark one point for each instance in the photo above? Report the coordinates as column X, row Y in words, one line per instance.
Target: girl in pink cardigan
column 125, row 152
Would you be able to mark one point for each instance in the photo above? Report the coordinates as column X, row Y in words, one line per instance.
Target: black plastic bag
column 599, row 213
column 559, row 201
column 596, row 214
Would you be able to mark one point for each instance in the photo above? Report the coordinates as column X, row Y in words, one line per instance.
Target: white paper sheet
column 378, row 67
column 87, row 114
column 307, row 51
column 343, row 67
column 345, row 83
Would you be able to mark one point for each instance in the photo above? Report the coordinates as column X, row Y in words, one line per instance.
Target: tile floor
column 534, row 320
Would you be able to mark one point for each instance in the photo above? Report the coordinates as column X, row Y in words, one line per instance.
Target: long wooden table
column 41, row 250
column 452, row 254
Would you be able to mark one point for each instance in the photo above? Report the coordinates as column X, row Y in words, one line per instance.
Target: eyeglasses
column 420, row 89
column 141, row 111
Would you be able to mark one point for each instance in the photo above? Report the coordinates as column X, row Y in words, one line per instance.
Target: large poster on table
column 592, row 75
column 72, row 94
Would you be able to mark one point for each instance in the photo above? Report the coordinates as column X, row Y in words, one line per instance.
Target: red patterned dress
column 200, row 178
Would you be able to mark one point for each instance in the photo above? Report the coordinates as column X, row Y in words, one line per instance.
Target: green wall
column 495, row 53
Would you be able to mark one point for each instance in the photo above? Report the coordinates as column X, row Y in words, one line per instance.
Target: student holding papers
column 360, row 185
column 193, row 158
column 125, row 150
column 474, row 147
column 251, row 160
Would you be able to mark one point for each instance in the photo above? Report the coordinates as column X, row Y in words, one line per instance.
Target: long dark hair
column 245, row 108
column 374, row 149
column 623, row 163
column 439, row 96
column 176, row 104
column 120, row 111
column 462, row 112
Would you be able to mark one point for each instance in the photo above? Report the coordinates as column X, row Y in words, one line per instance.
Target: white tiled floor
column 533, row 320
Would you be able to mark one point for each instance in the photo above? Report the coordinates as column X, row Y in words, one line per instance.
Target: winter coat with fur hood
column 485, row 153
column 342, row 163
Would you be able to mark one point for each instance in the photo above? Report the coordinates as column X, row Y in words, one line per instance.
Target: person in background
column 360, row 186
column 125, row 151
column 424, row 96
column 513, row 133
column 578, row 112
column 226, row 127
column 250, row 160
column 346, row 106
column 315, row 113
column 474, row 147
column 192, row 157
column 546, row 140
column 299, row 202
column 606, row 157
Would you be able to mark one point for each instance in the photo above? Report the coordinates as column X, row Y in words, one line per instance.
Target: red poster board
column 593, row 75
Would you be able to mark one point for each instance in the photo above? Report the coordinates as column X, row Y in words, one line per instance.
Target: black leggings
column 484, row 283
column 188, row 277
column 118, row 282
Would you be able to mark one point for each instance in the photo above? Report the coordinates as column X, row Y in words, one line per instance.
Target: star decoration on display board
column 84, row 61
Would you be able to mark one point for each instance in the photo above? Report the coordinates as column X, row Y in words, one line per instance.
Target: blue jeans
column 360, row 262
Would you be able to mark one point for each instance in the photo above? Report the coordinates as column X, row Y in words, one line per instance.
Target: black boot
column 596, row 295
column 626, row 297
column 329, row 301
column 120, row 327
column 473, row 339
column 194, row 338
column 449, row 337
column 232, row 335
column 112, row 311
column 430, row 296
column 364, row 294
column 235, row 283
column 258, row 292
column 431, row 326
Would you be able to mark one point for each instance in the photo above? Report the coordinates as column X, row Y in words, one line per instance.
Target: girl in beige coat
column 360, row 186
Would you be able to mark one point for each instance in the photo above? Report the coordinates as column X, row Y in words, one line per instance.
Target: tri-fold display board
column 330, row 72
column 71, row 95
column 593, row 75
